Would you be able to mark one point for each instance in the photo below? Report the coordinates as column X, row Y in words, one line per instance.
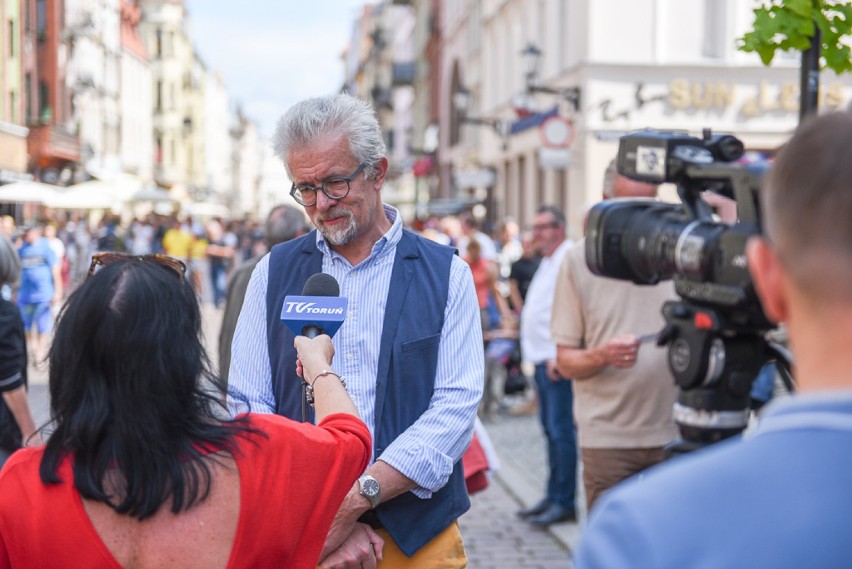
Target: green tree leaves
column 790, row 24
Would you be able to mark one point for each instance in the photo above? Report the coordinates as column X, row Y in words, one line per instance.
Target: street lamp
column 531, row 55
column 461, row 102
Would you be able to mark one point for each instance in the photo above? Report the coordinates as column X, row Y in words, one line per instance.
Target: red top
column 481, row 281
column 291, row 485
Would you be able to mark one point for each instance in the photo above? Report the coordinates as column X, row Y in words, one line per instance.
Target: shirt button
column 350, row 357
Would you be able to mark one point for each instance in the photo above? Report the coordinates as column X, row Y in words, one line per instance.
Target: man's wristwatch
column 370, row 489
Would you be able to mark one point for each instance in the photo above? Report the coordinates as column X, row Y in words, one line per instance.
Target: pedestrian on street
column 522, row 271
column 283, row 223
column 555, row 393
column 623, row 393
column 17, row 426
column 41, row 288
column 140, row 471
column 410, row 347
column 220, row 256
column 778, row 497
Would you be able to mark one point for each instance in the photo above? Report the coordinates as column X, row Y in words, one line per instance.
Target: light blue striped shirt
column 427, row 450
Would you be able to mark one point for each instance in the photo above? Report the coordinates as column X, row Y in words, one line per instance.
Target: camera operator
column 746, row 502
column 623, row 391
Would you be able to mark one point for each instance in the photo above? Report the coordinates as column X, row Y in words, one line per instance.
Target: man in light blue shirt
column 410, row 348
column 41, row 287
column 780, row 497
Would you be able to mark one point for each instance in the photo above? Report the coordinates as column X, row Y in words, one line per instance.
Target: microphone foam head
column 321, row 284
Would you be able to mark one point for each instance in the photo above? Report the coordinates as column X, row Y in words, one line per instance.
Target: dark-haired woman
column 142, row 471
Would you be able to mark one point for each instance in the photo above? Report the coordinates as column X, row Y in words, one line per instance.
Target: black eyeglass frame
column 305, row 187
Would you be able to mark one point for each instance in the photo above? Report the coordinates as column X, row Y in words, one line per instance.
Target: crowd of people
column 345, row 450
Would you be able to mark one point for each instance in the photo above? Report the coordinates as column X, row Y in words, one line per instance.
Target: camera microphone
column 318, row 310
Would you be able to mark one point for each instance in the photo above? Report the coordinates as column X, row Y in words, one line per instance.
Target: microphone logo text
column 310, row 308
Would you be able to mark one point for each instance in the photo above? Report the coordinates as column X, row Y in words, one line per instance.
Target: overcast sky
column 273, row 53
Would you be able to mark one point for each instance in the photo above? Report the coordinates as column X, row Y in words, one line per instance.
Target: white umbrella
column 98, row 194
column 77, row 199
column 206, row 209
column 152, row 194
column 28, row 192
column 119, row 188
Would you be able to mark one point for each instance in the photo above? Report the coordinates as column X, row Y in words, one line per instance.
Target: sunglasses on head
column 101, row 260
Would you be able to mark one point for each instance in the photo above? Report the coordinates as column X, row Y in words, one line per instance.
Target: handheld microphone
column 318, row 310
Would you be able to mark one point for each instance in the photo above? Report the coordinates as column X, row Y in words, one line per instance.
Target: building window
column 11, row 38
column 159, row 95
column 158, row 149
column 41, row 18
column 13, row 103
column 158, row 39
column 715, row 29
column 28, row 96
column 562, row 190
column 45, row 113
column 522, row 179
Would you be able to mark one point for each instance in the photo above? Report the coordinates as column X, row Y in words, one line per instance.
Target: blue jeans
column 556, row 406
column 219, row 280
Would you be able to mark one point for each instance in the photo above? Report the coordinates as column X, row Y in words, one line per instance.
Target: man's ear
column 380, row 172
column 768, row 277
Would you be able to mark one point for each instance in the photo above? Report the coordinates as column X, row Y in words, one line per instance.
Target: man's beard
column 337, row 235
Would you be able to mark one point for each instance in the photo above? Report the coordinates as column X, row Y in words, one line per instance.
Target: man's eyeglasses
column 335, row 187
column 101, row 260
column 544, row 226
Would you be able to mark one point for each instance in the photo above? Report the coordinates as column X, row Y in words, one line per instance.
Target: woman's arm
column 314, row 365
column 16, row 401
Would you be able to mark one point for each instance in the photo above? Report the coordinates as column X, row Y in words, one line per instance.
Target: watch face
column 370, row 487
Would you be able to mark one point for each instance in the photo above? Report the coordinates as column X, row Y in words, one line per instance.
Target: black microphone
column 318, row 310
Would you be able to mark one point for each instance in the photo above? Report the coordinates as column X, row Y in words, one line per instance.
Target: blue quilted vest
column 408, row 359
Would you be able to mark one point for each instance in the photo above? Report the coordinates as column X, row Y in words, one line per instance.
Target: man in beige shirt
column 623, row 389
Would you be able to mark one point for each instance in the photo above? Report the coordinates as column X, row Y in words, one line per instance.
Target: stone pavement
column 494, row 537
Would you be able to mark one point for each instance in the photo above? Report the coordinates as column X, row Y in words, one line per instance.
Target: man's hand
column 362, row 548
column 621, row 351
column 552, row 371
column 583, row 363
column 345, row 521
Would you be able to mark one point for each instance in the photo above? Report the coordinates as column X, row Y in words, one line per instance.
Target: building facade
column 53, row 148
column 219, row 179
column 660, row 64
column 380, row 67
column 246, row 155
column 136, row 101
column 163, row 29
column 93, row 80
column 13, row 130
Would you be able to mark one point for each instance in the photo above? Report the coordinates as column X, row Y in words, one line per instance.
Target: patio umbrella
column 81, row 199
column 28, row 192
column 152, row 194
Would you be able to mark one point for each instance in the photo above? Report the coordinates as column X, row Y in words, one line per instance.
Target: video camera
column 716, row 333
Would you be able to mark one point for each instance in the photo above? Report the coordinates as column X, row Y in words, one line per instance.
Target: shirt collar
column 827, row 410
column 839, row 400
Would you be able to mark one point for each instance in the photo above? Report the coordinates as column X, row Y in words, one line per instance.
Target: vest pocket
column 421, row 343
